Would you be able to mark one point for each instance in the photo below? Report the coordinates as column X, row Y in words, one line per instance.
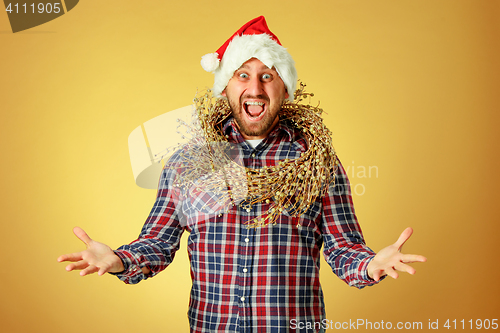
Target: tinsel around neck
column 292, row 185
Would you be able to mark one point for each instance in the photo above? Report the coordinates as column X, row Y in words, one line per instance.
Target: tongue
column 255, row 110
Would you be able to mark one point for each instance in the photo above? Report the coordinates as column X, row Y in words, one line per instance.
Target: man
column 264, row 277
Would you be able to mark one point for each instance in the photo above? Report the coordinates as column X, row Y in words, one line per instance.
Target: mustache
column 262, row 97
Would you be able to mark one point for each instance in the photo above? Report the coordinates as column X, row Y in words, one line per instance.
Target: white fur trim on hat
column 262, row 47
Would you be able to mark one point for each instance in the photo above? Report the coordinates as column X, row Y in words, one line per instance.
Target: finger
column 408, row 258
column 405, row 268
column 70, row 257
column 103, row 270
column 391, row 272
column 405, row 235
column 82, row 235
column 89, row 270
column 376, row 275
column 82, row 264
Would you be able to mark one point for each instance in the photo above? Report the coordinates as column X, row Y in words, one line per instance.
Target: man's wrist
column 119, row 267
column 367, row 270
column 122, row 265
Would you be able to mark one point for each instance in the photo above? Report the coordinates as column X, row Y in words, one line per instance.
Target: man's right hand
column 97, row 258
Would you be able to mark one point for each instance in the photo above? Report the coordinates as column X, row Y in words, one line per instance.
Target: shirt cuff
column 132, row 272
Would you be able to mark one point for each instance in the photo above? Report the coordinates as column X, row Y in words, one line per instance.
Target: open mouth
column 254, row 110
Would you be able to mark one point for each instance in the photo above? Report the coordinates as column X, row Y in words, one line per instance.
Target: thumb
column 82, row 235
column 405, row 235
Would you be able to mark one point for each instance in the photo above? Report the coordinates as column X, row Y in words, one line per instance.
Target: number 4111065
column 40, row 8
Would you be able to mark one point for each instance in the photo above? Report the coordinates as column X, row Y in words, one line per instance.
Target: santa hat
column 253, row 40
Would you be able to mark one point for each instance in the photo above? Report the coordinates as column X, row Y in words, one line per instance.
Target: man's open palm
column 390, row 259
column 98, row 257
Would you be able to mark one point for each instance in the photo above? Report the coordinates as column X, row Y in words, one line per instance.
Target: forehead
column 255, row 64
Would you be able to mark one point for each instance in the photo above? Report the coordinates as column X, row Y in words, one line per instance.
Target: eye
column 243, row 75
column 266, row 77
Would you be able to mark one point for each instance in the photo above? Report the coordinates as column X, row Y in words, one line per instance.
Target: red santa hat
column 253, row 40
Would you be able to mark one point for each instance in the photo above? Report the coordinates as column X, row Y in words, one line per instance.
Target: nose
column 255, row 86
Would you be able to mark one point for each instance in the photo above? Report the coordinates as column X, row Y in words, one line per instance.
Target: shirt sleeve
column 344, row 246
column 160, row 236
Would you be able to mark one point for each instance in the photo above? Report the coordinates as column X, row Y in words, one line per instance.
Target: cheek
column 279, row 91
column 232, row 93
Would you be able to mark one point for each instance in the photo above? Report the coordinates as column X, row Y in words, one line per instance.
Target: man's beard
column 237, row 110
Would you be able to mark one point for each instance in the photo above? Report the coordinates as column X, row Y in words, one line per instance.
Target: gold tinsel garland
column 291, row 185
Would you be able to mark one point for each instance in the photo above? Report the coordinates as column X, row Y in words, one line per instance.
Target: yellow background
column 410, row 86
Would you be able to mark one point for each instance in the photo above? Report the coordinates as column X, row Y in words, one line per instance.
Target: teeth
column 254, row 103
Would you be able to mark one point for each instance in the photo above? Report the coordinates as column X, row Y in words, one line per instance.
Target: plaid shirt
column 253, row 279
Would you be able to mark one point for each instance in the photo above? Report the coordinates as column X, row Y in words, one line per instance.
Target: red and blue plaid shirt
column 253, row 279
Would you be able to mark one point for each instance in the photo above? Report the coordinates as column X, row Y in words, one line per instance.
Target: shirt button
column 247, row 240
column 242, row 299
column 253, row 154
column 245, row 270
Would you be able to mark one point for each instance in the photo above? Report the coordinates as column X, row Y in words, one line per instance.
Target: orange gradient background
column 411, row 87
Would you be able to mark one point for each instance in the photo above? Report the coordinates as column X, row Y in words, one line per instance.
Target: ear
column 223, row 93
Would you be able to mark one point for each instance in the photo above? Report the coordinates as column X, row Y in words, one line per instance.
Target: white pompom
column 210, row 62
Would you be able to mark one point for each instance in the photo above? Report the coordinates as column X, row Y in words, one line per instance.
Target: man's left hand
column 390, row 259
